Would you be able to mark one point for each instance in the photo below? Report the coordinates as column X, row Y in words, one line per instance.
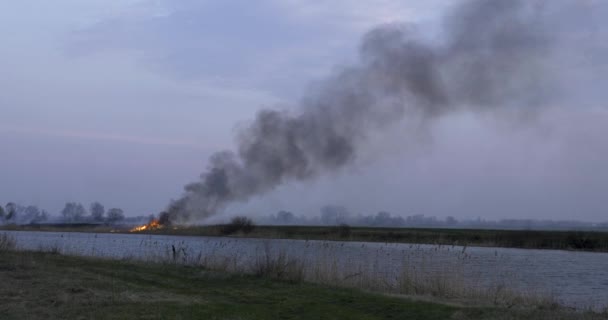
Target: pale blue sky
column 123, row 101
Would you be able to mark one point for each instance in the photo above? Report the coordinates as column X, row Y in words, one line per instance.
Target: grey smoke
column 493, row 56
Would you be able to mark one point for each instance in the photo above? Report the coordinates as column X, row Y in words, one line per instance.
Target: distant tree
column 334, row 215
column 43, row 216
column 451, row 221
column 73, row 211
column 415, row 220
column 115, row 215
column 383, row 219
column 11, row 210
column 97, row 211
column 30, row 214
column 2, row 213
column 285, row 217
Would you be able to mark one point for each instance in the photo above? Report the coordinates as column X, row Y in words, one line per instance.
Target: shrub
column 237, row 224
column 580, row 240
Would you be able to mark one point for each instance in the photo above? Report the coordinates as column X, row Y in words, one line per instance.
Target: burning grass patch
column 154, row 224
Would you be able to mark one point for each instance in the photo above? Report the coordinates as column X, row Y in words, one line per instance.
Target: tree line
column 16, row 213
column 333, row 215
column 73, row 212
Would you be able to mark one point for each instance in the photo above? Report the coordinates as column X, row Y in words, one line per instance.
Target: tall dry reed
column 7, row 242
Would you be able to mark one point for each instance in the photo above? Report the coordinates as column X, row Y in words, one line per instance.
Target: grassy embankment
column 528, row 239
column 47, row 285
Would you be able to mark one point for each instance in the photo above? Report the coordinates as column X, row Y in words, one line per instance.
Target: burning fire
column 152, row 225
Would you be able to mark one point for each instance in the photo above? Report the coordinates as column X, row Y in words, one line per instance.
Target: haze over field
column 124, row 101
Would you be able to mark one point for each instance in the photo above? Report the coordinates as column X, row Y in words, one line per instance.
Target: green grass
column 37, row 285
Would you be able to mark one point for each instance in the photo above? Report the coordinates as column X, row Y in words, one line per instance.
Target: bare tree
column 11, row 210
column 73, row 211
column 115, row 215
column 31, row 213
column 334, row 215
column 97, row 211
column 43, row 216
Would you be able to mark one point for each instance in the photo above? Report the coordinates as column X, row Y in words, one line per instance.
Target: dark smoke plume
column 493, row 56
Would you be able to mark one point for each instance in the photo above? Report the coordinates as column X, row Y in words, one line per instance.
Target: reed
column 278, row 266
column 7, row 242
column 420, row 274
column 47, row 286
column 422, row 279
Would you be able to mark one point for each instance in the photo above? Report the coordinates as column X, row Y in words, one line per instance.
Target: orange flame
column 153, row 225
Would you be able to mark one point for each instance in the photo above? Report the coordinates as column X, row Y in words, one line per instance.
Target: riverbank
column 46, row 285
column 524, row 239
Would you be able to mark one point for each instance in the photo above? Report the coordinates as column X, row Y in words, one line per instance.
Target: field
column 528, row 239
column 47, row 285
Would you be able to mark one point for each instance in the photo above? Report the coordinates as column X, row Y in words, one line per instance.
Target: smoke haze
column 494, row 56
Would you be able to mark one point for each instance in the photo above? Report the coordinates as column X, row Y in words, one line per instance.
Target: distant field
column 528, row 239
column 37, row 285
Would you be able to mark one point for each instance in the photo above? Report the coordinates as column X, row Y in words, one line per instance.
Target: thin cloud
column 272, row 45
column 98, row 136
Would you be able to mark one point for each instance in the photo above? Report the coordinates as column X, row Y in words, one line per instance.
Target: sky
column 123, row 101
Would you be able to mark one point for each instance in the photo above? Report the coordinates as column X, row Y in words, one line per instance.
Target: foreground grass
column 526, row 239
column 37, row 285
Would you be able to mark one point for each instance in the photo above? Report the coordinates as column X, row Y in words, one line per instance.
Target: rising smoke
column 492, row 56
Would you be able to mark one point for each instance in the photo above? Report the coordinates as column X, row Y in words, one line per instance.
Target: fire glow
column 152, row 225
